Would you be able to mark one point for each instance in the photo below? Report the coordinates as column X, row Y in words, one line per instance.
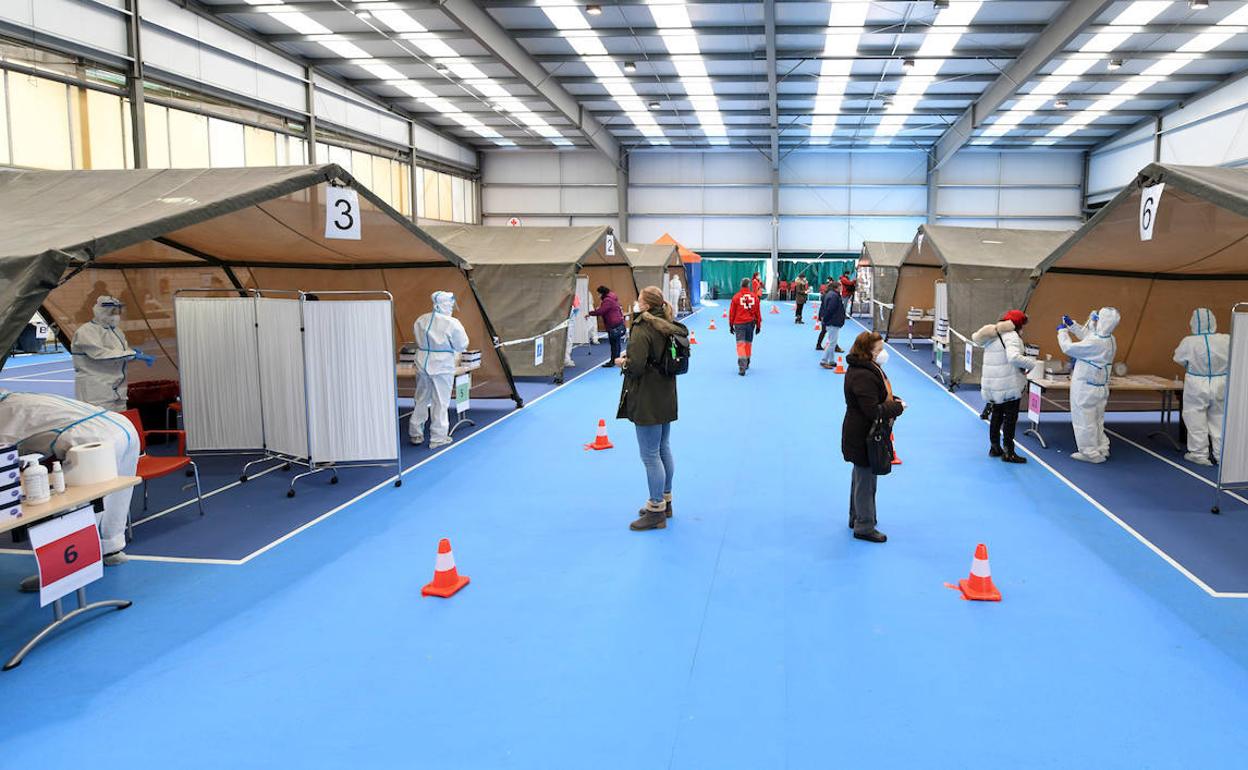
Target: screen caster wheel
column 286, row 467
column 398, row 483
column 1215, row 509
column 242, row 479
column 334, row 480
column 290, row 493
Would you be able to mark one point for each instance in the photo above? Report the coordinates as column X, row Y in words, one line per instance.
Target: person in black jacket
column 868, row 394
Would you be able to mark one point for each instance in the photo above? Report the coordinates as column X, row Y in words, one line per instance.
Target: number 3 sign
column 342, row 214
column 1150, row 205
column 68, row 551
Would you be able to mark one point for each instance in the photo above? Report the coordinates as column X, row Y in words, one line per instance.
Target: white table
column 73, row 499
column 1170, row 393
column 461, row 419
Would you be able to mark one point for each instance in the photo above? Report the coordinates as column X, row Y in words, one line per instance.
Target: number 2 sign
column 1150, row 205
column 342, row 214
column 68, row 551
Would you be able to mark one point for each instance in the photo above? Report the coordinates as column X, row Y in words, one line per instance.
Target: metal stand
column 1034, row 431
column 1167, row 421
column 60, row 619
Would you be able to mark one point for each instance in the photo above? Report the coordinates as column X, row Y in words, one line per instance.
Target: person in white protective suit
column 572, row 318
column 100, row 354
column 1093, row 354
column 1205, row 355
column 42, row 423
column 439, row 336
column 675, row 289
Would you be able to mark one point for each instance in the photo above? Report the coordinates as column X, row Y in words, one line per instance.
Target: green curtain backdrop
column 816, row 271
column 723, row 276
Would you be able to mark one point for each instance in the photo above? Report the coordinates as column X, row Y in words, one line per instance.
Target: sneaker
column 1013, row 458
column 442, row 443
column 1198, row 458
column 826, row 365
column 995, row 451
column 838, row 349
column 874, row 536
column 741, row 371
column 1081, row 457
column 115, row 558
column 609, row 365
column 416, row 440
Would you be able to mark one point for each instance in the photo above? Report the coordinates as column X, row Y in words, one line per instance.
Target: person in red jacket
column 745, row 318
column 756, row 286
column 848, row 286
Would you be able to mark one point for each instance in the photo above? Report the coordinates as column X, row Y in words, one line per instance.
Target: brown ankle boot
column 648, row 518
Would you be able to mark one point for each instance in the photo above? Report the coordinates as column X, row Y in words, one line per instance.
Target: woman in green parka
column 648, row 400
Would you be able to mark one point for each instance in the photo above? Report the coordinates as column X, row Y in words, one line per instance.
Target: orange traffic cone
column 692, row 339
column 818, row 326
column 892, row 439
column 601, row 441
column 978, row 587
column 446, row 579
column 711, row 328
column 725, row 315
column 775, row 310
column 840, row 365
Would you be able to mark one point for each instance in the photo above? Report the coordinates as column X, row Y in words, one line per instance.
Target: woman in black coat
column 868, row 393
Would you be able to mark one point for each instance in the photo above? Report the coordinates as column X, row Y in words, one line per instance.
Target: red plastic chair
column 783, row 287
column 156, row 466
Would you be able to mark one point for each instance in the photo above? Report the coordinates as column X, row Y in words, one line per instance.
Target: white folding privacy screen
column 304, row 379
column 1233, row 469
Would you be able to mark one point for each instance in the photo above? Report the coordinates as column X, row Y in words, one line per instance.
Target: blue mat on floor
column 1167, row 506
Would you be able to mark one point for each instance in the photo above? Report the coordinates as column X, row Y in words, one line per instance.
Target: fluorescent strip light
column 834, row 73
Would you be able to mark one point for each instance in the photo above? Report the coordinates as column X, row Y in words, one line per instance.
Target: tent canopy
column 987, row 271
column 141, row 235
column 526, row 277
column 651, row 261
column 686, row 255
column 885, row 260
column 1198, row 257
column 884, row 253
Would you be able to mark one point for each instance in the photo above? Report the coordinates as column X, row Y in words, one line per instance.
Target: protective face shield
column 1203, row 321
column 443, row 302
column 107, row 311
column 1105, row 321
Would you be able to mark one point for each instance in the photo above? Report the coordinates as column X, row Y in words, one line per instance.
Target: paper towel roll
column 90, row 464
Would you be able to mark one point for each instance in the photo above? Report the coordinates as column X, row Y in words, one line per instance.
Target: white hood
column 1204, row 321
column 443, row 302
column 107, row 311
column 1106, row 321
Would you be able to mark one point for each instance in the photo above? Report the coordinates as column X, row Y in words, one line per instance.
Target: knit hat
column 1017, row 317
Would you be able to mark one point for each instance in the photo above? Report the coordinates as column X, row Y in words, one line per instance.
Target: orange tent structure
column 692, row 264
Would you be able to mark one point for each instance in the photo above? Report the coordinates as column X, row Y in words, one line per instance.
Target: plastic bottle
column 57, row 479
column 35, row 483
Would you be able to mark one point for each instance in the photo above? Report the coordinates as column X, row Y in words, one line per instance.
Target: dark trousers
column 1004, row 420
column 797, row 316
column 862, row 499
column 615, row 335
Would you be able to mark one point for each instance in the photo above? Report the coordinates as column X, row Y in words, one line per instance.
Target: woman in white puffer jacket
column 1003, row 380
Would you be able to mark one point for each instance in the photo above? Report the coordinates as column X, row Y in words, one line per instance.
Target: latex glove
column 1061, row 326
column 1067, row 321
column 139, row 355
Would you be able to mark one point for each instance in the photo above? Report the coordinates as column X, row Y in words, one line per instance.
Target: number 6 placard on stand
column 68, row 551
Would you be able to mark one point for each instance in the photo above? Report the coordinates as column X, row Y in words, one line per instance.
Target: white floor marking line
column 1174, row 464
column 40, row 374
column 20, row 382
column 207, row 495
column 1109, row 514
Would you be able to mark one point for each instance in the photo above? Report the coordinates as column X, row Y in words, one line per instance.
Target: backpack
column 676, row 351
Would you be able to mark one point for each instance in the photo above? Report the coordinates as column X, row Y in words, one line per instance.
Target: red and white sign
column 514, row 222
column 68, row 551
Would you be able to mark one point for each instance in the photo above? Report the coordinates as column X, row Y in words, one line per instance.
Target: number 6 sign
column 68, row 551
column 342, row 214
column 1150, row 204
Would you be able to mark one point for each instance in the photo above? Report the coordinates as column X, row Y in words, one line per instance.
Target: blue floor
column 752, row 633
column 1167, row 505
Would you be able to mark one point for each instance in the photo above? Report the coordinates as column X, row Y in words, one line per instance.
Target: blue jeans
column 834, row 335
column 656, row 456
column 614, row 336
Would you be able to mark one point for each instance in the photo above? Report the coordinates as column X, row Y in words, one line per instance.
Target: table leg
column 60, row 618
column 1167, row 419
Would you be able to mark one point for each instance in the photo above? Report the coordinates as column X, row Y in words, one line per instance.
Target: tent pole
column 134, row 83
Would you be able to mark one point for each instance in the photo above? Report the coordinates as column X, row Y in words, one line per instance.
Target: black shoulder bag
column 880, row 443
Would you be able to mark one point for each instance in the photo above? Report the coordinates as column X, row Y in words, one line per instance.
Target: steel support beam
column 773, row 126
column 621, row 193
column 502, row 46
column 1073, row 19
column 134, row 83
column 309, row 101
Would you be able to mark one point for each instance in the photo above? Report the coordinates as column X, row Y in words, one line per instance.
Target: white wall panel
column 520, row 168
column 586, row 168
column 895, row 229
column 814, row 234
column 667, row 200
column 888, row 167
column 983, row 188
column 1039, row 224
column 967, row 201
column 1039, row 202
column 588, row 200
column 814, row 200
column 687, row 230
column 1231, row 96
column 85, row 23
column 1110, row 171
column 735, row 234
column 513, row 201
column 735, row 168
column 665, row 168
column 1217, row 141
column 1043, row 167
column 827, row 168
column 889, row 200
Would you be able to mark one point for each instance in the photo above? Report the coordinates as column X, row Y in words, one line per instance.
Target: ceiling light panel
column 671, row 17
column 936, row 45
column 1155, row 72
column 570, row 20
column 840, row 40
column 1122, row 27
column 447, row 59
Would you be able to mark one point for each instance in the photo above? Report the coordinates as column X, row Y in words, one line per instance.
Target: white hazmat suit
column 1205, row 355
column 48, row 424
column 1089, row 381
column 439, row 336
column 100, row 354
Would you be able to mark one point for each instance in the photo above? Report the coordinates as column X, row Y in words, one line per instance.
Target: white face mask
column 881, row 358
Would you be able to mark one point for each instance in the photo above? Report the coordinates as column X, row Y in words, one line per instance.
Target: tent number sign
column 1150, row 205
column 610, row 245
column 342, row 214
